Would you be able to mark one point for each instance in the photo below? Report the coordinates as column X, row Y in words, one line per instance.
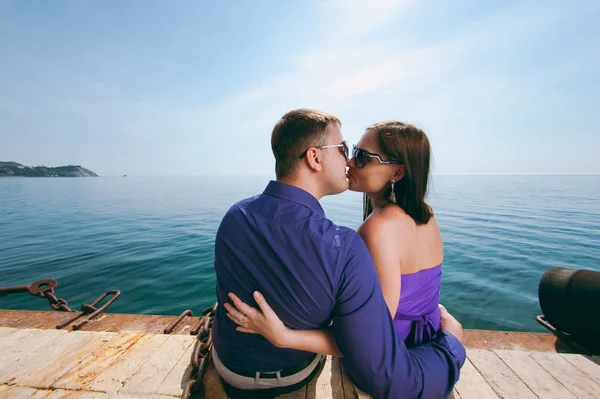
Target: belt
column 273, row 374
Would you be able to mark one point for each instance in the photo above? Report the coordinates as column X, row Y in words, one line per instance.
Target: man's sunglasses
column 343, row 151
column 362, row 157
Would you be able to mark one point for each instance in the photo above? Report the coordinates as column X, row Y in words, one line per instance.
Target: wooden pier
column 127, row 357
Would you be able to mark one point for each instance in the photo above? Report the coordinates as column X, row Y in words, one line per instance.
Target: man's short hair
column 295, row 132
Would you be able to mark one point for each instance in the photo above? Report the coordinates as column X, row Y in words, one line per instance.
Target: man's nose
column 350, row 162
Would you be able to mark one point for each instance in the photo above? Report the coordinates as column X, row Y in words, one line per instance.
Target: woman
column 390, row 164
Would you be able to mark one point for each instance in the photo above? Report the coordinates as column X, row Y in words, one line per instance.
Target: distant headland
column 14, row 169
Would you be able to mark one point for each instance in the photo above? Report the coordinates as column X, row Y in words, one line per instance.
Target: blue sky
column 194, row 88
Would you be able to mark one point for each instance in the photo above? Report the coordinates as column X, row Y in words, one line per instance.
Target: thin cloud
column 447, row 84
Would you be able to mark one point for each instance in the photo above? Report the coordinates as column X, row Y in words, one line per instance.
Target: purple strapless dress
column 417, row 319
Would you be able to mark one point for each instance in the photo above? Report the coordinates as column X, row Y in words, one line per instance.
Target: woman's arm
column 267, row 324
column 380, row 235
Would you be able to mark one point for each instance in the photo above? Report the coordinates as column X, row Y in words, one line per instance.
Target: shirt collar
column 294, row 194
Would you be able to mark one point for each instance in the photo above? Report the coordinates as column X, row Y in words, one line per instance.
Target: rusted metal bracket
column 178, row 320
column 91, row 311
column 561, row 334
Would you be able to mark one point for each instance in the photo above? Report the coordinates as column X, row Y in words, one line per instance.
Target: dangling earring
column 392, row 196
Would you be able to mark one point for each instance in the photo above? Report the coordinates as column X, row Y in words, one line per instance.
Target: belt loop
column 278, row 376
column 256, row 377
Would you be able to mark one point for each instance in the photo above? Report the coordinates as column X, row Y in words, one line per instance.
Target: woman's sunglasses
column 362, row 157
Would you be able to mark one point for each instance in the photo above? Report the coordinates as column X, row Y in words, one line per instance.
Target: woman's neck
column 378, row 201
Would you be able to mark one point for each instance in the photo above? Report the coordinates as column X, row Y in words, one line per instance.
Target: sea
column 152, row 238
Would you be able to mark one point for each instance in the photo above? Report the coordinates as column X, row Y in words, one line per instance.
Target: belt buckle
column 268, row 375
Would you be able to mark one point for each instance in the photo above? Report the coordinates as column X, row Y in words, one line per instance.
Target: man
column 314, row 274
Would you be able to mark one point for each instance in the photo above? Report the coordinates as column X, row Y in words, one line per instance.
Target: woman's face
column 374, row 177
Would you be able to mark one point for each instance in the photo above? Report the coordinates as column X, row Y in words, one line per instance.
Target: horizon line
column 440, row 174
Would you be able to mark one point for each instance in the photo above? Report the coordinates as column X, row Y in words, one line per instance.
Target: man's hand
column 450, row 324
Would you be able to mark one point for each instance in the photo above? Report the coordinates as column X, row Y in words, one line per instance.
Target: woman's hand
column 267, row 324
column 450, row 324
column 253, row 321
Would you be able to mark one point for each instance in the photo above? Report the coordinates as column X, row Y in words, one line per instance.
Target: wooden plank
column 498, row 375
column 176, row 380
column 94, row 395
column 328, row 383
column 66, row 394
column 113, row 378
column 347, row 384
column 44, row 377
column 18, row 392
column 568, row 375
column 472, row 385
column 40, row 395
column 63, row 394
column 69, row 394
column 56, row 394
column 212, row 384
column 299, row 394
column 147, row 379
column 533, row 375
column 7, row 330
column 86, row 372
column 584, row 364
column 144, row 396
column 49, row 355
column 337, row 388
column 15, row 372
column 26, row 343
column 18, row 340
column 18, row 345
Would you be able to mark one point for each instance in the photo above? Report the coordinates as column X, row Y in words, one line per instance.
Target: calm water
column 152, row 238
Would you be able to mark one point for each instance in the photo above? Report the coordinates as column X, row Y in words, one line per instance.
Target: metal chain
column 43, row 289
column 57, row 304
column 201, row 355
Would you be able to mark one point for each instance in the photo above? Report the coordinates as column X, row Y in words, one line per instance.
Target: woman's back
column 418, row 251
column 420, row 246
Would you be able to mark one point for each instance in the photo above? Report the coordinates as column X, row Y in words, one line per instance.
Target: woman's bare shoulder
column 386, row 221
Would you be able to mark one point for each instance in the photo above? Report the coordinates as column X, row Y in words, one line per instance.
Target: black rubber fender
column 570, row 301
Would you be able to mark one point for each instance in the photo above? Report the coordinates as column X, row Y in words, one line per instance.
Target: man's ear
column 398, row 173
column 313, row 158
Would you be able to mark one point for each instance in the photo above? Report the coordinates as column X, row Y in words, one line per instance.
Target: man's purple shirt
column 316, row 274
